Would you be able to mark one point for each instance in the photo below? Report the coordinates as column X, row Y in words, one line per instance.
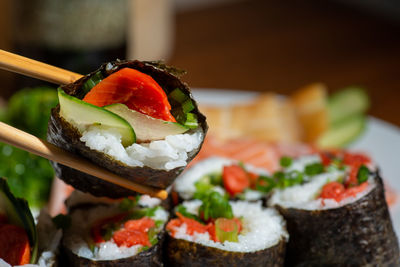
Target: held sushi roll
column 215, row 232
column 119, row 234
column 337, row 214
column 226, row 176
column 136, row 119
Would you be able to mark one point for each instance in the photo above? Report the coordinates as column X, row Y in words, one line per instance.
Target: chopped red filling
column 338, row 192
column 193, row 226
column 236, row 179
column 129, row 233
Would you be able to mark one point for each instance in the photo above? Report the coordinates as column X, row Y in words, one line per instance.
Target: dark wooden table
column 273, row 45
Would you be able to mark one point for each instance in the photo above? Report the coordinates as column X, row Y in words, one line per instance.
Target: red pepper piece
column 136, row 90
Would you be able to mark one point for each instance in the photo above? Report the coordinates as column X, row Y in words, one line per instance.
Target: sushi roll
column 336, row 212
column 226, row 176
column 136, row 119
column 122, row 233
column 22, row 242
column 215, row 232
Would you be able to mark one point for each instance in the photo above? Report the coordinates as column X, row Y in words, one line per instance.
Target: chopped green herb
column 127, row 204
column 159, row 223
column 152, row 233
column 363, row 174
column 286, row 162
column 108, row 233
column 62, row 221
column 265, row 184
column 216, row 206
column 144, row 248
column 314, row 169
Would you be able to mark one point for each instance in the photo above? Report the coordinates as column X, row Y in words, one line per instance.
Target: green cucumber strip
column 147, row 128
column 344, row 133
column 346, row 103
column 18, row 213
column 226, row 230
column 90, row 83
column 82, row 115
column 178, row 95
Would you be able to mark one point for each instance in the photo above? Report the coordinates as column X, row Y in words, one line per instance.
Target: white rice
column 77, row 236
column 262, row 228
column 304, row 196
column 167, row 154
column 185, row 183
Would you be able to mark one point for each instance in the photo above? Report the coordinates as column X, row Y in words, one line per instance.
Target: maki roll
column 122, row 233
column 336, row 212
column 21, row 241
column 18, row 235
column 215, row 232
column 226, row 176
column 136, row 119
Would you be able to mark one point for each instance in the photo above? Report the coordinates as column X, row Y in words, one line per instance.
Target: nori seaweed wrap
column 261, row 240
column 119, row 234
column 339, row 217
column 65, row 135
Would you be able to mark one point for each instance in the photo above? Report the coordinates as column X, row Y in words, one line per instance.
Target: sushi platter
column 269, row 184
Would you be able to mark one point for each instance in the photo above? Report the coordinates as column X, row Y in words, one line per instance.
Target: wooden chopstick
column 36, row 69
column 30, row 143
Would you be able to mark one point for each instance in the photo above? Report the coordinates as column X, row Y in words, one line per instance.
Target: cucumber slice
column 346, row 103
column 18, row 213
column 344, row 133
column 82, row 115
column 147, row 128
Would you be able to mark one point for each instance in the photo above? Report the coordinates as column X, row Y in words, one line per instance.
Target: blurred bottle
column 78, row 35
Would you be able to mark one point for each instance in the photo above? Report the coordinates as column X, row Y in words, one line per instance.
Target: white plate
column 381, row 140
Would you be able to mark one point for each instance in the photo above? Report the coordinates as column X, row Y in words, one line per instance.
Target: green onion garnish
column 90, row 83
column 178, row 95
column 314, row 169
column 191, row 120
column 363, row 174
column 187, row 106
column 215, row 206
column 286, row 162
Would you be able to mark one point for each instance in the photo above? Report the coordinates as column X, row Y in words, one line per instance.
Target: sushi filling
column 328, row 181
column 114, row 231
column 249, row 228
column 167, row 154
column 222, row 175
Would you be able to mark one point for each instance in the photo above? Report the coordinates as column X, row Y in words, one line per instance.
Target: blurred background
column 256, row 45
column 252, row 45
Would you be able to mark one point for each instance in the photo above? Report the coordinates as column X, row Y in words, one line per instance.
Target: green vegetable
column 128, row 204
column 215, row 206
column 286, row 162
column 140, row 213
column 226, row 230
column 314, row 169
column 206, row 183
column 191, row 121
column 187, row 106
column 346, row 103
column 62, row 221
column 90, row 83
column 178, row 96
column 362, row 174
column 343, row 133
column 80, row 113
column 152, row 233
column 265, row 184
column 18, row 213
